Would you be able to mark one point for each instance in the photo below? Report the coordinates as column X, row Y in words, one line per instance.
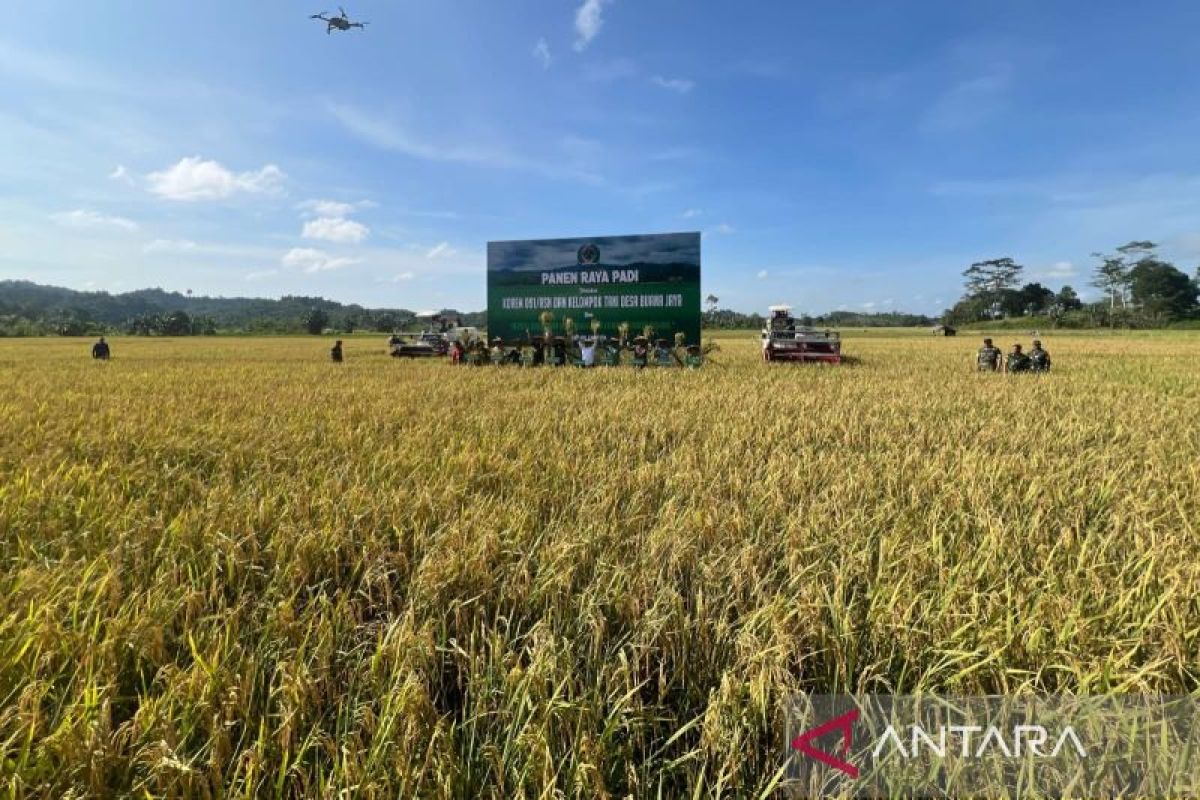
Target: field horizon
column 233, row 568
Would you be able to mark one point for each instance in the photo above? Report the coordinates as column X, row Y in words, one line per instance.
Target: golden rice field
column 234, row 569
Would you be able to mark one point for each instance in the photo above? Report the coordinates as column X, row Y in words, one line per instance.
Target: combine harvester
column 785, row 340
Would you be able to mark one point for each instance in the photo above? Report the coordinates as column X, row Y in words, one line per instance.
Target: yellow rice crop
column 234, row 569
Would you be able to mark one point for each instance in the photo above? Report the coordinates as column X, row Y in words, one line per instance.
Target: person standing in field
column 664, row 356
column 336, row 352
column 1017, row 361
column 587, row 353
column 456, row 353
column 694, row 358
column 988, row 357
column 611, row 354
column 100, row 350
column 641, row 352
column 1039, row 359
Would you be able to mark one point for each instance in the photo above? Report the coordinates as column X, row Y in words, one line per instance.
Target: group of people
column 578, row 352
column 990, row 359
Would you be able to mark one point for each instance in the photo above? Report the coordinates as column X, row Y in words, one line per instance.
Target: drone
column 341, row 23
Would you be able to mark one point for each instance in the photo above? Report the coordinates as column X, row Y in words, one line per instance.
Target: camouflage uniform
column 988, row 358
column 1018, row 362
column 1039, row 359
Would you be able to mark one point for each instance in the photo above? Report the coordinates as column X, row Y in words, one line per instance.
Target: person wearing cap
column 694, row 358
column 1039, row 359
column 100, row 350
column 336, row 352
column 610, row 355
column 641, row 352
column 1017, row 361
column 988, row 357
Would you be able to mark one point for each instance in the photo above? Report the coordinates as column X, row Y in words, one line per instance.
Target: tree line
column 30, row 309
column 1140, row 289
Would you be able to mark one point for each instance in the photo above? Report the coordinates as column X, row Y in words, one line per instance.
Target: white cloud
column 310, row 260
column 94, row 220
column 193, row 178
column 762, row 274
column 541, row 51
column 442, row 249
column 691, row 213
column 169, row 246
column 589, row 19
column 335, row 229
column 724, row 229
column 328, row 208
column 403, row 276
column 681, row 85
column 1059, row 269
column 121, row 174
column 260, row 274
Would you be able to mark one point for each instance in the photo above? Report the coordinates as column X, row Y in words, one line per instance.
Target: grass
column 234, row 569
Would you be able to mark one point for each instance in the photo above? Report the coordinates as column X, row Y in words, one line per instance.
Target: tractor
column 783, row 339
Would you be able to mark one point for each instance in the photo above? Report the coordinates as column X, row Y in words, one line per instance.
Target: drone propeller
column 319, row 16
column 343, row 13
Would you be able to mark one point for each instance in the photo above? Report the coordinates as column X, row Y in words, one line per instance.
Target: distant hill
column 28, row 308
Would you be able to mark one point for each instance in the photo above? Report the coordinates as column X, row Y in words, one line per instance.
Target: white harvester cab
column 784, row 339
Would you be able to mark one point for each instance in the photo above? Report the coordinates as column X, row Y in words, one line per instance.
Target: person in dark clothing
column 641, row 352
column 539, row 352
column 560, row 352
column 336, row 351
column 100, row 350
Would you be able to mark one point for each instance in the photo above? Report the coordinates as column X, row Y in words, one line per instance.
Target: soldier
column 1017, row 361
column 610, row 356
column 988, row 357
column 336, row 352
column 100, row 350
column 1039, row 359
column 664, row 356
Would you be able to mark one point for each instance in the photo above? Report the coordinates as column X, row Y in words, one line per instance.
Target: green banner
column 647, row 280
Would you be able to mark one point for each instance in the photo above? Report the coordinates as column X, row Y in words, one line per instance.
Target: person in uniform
column 1017, row 361
column 336, row 352
column 641, row 352
column 100, row 350
column 559, row 352
column 664, row 356
column 988, row 357
column 694, row 358
column 498, row 354
column 610, row 356
column 1039, row 359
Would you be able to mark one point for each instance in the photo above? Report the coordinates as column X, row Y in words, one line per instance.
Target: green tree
column 1161, row 290
column 316, row 321
column 989, row 281
column 1067, row 300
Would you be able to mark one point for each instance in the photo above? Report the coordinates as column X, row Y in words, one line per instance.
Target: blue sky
column 833, row 154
